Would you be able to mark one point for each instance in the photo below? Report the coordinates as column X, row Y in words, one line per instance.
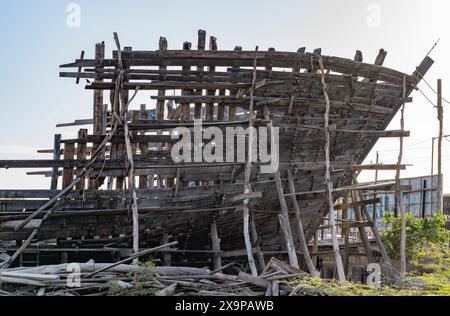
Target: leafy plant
column 143, row 282
column 427, row 238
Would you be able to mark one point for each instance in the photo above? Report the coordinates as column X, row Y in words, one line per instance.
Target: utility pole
column 432, row 155
column 441, row 127
column 374, row 207
column 376, row 171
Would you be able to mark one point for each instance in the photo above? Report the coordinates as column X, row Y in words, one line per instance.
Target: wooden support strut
column 284, row 216
column 247, row 185
column 301, row 235
column 399, row 194
column 328, row 183
column 129, row 152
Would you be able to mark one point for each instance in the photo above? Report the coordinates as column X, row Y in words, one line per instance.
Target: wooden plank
column 379, row 167
column 68, row 173
column 81, row 155
column 56, row 156
column 244, row 59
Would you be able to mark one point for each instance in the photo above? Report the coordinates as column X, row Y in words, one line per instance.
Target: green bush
column 427, row 239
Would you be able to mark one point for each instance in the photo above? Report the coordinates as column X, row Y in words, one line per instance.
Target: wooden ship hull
column 201, row 205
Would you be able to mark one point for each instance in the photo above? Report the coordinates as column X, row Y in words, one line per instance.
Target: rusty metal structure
column 117, row 190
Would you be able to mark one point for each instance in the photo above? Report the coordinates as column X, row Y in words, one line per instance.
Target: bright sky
column 36, row 39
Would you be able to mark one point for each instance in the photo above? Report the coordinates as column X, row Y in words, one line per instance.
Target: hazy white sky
column 36, row 40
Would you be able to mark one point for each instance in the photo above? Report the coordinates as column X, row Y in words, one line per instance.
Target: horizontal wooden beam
column 112, row 163
column 380, row 167
column 245, row 59
column 357, row 204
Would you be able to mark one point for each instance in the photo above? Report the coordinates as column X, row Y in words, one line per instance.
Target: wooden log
column 167, row 291
column 257, row 281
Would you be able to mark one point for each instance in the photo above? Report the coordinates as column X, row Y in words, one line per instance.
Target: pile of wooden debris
column 98, row 279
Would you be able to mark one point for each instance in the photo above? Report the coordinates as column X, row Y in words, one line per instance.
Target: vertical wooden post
column 315, row 248
column 201, row 45
column 143, row 179
column 232, row 107
column 346, row 233
column 221, row 107
column 398, row 192
column 167, row 257
column 69, row 154
column 185, row 107
column 81, row 155
column 256, row 243
column 210, row 106
column 328, row 183
column 161, row 92
column 440, row 109
column 247, row 175
column 215, row 240
column 98, row 109
column 98, row 94
column 56, row 156
column 301, row 234
column 160, row 110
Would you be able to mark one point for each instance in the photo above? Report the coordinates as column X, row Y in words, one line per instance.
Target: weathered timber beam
column 379, row 167
column 244, row 59
column 297, row 101
column 357, row 204
column 76, row 123
column 97, row 139
column 113, row 163
column 168, row 85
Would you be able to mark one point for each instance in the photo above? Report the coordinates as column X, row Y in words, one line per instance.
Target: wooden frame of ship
column 117, row 191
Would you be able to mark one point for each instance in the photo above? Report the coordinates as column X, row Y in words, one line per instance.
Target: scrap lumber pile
column 124, row 279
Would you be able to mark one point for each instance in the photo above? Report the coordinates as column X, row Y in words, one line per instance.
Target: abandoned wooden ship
column 117, row 190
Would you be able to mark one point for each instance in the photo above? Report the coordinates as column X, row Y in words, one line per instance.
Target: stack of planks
column 124, row 279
